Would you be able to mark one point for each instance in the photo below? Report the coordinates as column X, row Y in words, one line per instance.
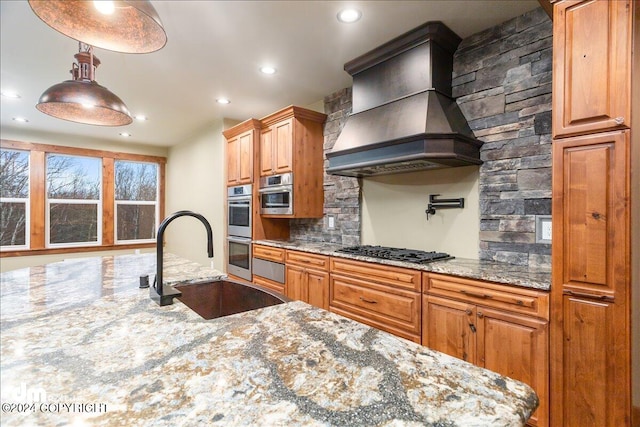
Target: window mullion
column 37, row 198
column 108, row 197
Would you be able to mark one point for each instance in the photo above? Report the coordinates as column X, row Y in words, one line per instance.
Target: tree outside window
column 74, row 204
column 14, row 199
column 136, row 200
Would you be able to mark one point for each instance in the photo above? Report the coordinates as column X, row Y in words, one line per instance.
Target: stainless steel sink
column 220, row 298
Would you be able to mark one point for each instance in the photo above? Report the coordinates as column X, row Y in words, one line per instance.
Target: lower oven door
column 239, row 257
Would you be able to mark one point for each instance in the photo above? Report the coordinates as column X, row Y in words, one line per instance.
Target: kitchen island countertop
column 82, row 344
column 498, row 272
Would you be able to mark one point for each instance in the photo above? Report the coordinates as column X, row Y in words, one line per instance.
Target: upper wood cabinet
column 291, row 140
column 239, row 152
column 276, row 143
column 591, row 66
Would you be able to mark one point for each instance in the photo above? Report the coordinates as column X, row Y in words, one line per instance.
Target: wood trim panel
column 240, row 128
column 62, row 149
column 269, row 284
column 291, row 111
column 512, row 298
column 401, row 278
column 32, row 252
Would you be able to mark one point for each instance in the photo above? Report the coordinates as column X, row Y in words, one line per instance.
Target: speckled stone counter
column 83, row 345
column 509, row 274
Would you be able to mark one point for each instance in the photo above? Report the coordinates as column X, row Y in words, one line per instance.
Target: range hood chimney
column 404, row 118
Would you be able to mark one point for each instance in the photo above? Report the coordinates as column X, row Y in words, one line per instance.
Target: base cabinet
column 474, row 326
column 307, row 278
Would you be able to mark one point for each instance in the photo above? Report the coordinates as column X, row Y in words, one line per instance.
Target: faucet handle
column 144, row 281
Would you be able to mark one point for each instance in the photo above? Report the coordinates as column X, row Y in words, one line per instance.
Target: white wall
column 195, row 181
column 393, row 211
column 12, row 263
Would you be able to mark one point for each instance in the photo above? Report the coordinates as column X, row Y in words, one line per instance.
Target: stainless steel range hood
column 404, row 118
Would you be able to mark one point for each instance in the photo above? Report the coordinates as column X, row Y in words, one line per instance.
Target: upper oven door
column 239, row 216
column 276, row 200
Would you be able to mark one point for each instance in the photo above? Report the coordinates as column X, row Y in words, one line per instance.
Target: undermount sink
column 220, row 298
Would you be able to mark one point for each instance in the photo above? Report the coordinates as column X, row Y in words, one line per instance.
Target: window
column 14, row 199
column 136, row 200
column 57, row 199
column 74, row 208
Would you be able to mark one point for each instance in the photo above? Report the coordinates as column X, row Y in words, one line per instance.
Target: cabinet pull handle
column 480, row 315
column 472, row 294
column 468, row 312
column 472, row 327
column 363, row 299
column 619, row 120
column 590, row 296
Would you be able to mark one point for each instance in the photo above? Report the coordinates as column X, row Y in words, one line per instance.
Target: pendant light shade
column 82, row 99
column 120, row 26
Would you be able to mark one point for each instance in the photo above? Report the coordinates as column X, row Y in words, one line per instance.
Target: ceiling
column 215, row 49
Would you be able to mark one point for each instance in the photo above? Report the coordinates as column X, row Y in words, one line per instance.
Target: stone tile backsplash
column 502, row 82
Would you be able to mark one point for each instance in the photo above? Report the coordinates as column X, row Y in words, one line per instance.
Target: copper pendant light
column 83, row 100
column 120, row 26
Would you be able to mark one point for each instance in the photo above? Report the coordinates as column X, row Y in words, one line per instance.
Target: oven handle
column 278, row 189
column 276, row 205
column 246, row 202
column 239, row 239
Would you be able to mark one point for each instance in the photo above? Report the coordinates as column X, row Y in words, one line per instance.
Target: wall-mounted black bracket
column 435, row 204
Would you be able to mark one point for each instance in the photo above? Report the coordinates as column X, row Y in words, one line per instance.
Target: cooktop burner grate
column 396, row 254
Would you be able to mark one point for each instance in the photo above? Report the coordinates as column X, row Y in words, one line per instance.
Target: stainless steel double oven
column 239, row 231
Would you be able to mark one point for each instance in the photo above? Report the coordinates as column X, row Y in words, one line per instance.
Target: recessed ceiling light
column 21, row 119
column 10, row 94
column 141, row 117
column 349, row 15
column 125, row 134
column 267, row 70
column 223, row 101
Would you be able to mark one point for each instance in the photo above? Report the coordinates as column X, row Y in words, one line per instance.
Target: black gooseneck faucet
column 164, row 295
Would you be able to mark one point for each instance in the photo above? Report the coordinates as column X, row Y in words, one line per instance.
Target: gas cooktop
column 396, row 254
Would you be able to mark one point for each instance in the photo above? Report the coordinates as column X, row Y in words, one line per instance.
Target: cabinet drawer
column 269, row 284
column 268, row 252
column 489, row 294
column 398, row 309
column 305, row 259
column 403, row 278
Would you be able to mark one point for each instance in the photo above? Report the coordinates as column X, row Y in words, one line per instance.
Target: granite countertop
column 498, row 272
column 81, row 344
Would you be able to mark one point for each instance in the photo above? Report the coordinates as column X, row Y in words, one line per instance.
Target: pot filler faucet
column 164, row 295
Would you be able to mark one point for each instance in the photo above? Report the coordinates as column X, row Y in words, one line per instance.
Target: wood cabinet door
column 283, row 146
column 594, row 392
column 516, row 346
column 245, row 161
column 296, row 283
column 449, row 327
column 266, row 152
column 591, row 215
column 318, row 288
column 233, row 161
column 591, row 66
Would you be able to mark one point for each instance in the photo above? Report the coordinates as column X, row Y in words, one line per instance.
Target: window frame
column 26, row 202
column 38, row 204
column 97, row 202
column 136, row 202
